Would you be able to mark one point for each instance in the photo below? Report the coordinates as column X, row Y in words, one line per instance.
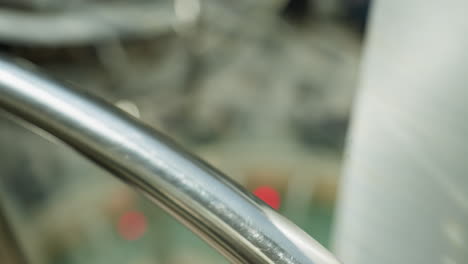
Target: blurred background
column 260, row 89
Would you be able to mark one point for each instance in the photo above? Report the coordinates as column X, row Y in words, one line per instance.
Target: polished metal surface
column 237, row 224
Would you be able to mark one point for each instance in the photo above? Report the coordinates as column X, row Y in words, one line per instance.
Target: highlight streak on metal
column 233, row 221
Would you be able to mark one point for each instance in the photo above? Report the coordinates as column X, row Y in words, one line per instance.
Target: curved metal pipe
column 226, row 216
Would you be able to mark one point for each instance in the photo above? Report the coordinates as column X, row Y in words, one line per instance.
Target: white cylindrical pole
column 404, row 195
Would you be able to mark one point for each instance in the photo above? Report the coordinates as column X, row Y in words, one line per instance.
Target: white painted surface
column 404, row 197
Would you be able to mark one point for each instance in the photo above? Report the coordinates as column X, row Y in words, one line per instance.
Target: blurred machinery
column 224, row 78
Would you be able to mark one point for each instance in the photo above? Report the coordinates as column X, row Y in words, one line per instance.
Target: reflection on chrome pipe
column 226, row 216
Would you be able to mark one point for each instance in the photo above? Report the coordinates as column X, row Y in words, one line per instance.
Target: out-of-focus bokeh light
column 269, row 195
column 129, row 107
column 187, row 11
column 132, row 225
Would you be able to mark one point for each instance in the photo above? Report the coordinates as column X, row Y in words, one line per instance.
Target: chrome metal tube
column 237, row 224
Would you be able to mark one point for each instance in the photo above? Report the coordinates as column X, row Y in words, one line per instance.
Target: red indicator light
column 269, row 195
column 132, row 225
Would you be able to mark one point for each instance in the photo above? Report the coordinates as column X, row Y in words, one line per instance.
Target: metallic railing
column 226, row 216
